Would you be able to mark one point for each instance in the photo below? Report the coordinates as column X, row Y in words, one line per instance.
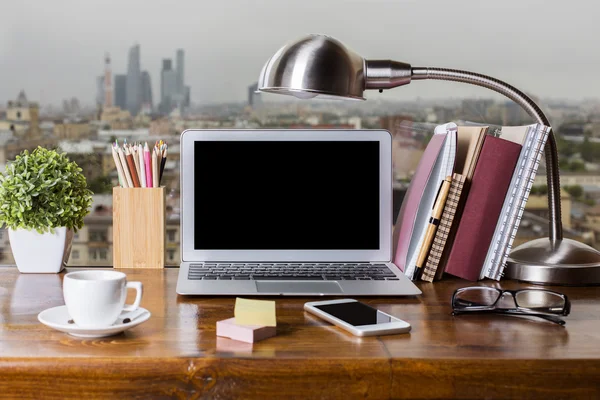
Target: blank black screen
column 355, row 313
column 252, row 195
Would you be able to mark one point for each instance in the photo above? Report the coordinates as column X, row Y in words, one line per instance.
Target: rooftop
column 83, row 146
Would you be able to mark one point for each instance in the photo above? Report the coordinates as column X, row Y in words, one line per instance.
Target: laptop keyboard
column 296, row 271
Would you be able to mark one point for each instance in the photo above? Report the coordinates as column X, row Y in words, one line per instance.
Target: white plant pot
column 44, row 253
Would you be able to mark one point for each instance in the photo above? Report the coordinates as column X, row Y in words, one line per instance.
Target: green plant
column 43, row 190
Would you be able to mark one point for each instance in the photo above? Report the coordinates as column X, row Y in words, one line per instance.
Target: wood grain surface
column 176, row 354
column 139, row 227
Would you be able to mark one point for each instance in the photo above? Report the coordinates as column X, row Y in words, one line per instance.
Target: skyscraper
column 180, row 78
column 134, row 81
column 99, row 90
column 254, row 98
column 146, row 92
column 168, row 87
column 108, row 87
column 186, row 102
column 173, row 91
column 121, row 91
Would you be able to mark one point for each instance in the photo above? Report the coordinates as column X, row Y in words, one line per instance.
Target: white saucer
column 58, row 318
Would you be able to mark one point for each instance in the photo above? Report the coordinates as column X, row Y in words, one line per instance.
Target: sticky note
column 244, row 333
column 255, row 312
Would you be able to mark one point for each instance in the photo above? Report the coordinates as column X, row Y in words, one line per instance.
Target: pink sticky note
column 244, row 333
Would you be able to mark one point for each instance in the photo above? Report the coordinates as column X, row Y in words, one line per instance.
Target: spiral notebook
column 516, row 198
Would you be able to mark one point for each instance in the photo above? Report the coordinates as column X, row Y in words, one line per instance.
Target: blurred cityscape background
column 123, row 103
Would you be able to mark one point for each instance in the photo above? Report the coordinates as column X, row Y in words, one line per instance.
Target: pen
column 434, row 221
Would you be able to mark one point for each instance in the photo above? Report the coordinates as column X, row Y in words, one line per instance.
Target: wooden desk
column 177, row 355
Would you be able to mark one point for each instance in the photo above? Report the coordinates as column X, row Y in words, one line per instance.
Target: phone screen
column 355, row 313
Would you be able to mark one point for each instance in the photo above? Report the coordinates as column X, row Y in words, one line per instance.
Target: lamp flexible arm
column 550, row 151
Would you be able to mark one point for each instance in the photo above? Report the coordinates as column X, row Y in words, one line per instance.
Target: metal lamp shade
column 314, row 65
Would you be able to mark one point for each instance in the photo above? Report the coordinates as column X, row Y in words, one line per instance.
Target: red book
column 488, row 190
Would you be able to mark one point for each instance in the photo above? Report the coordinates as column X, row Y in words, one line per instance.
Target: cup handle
column 138, row 298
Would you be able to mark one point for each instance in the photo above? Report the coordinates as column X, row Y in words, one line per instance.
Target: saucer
column 58, row 318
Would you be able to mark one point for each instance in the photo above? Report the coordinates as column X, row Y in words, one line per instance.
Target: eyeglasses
column 540, row 303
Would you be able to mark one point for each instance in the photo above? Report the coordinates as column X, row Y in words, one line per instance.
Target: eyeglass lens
column 539, row 299
column 477, row 296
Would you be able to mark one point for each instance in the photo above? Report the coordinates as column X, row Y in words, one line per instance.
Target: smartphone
column 357, row 318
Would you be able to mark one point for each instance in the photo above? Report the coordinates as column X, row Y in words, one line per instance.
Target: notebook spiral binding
column 514, row 207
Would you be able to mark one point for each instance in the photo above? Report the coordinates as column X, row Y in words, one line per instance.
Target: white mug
column 95, row 299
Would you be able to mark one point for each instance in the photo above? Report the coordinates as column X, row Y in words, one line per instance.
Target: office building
column 254, row 98
column 146, row 92
column 186, row 100
column 179, row 61
column 99, row 90
column 513, row 114
column 173, row 91
column 22, row 118
column 168, row 87
column 108, row 87
column 121, row 91
column 398, row 125
column 134, row 81
column 475, row 110
column 72, row 129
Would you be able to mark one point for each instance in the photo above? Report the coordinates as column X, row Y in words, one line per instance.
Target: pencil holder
column 138, row 227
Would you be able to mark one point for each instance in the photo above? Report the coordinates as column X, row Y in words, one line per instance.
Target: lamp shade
column 315, row 65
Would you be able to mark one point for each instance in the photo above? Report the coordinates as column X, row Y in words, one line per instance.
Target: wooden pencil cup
column 139, row 227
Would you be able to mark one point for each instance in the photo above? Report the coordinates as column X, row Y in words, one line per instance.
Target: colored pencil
column 163, row 161
column 148, row 161
column 132, row 171
column 140, row 154
column 120, row 174
column 136, row 160
column 125, row 168
column 155, row 167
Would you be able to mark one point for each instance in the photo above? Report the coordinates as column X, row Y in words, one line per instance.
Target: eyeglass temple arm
column 550, row 318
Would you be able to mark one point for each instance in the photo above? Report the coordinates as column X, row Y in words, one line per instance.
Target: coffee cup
column 95, row 299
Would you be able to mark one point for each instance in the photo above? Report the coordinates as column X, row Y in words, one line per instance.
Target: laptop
column 288, row 212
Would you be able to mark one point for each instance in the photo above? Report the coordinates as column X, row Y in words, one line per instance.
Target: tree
column 576, row 191
column 539, row 190
column 577, row 166
column 565, row 147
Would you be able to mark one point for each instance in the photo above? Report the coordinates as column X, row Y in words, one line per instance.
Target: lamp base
column 565, row 262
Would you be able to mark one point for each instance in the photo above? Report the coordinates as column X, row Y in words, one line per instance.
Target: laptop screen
column 286, row 195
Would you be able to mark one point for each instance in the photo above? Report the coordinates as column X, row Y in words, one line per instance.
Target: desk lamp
column 318, row 65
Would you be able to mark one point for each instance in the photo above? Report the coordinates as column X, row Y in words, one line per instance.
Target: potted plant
column 43, row 200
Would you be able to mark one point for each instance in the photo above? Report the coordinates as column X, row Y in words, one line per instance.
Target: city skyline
column 53, row 50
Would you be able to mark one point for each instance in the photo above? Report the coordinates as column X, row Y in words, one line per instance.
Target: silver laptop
column 288, row 212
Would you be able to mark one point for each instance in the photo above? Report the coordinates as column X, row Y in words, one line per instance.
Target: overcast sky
column 54, row 49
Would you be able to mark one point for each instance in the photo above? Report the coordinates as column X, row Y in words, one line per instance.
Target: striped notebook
column 443, row 230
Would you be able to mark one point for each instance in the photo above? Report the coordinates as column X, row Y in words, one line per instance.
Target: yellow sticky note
column 255, row 312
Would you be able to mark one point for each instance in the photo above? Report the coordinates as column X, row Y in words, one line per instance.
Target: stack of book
column 465, row 202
